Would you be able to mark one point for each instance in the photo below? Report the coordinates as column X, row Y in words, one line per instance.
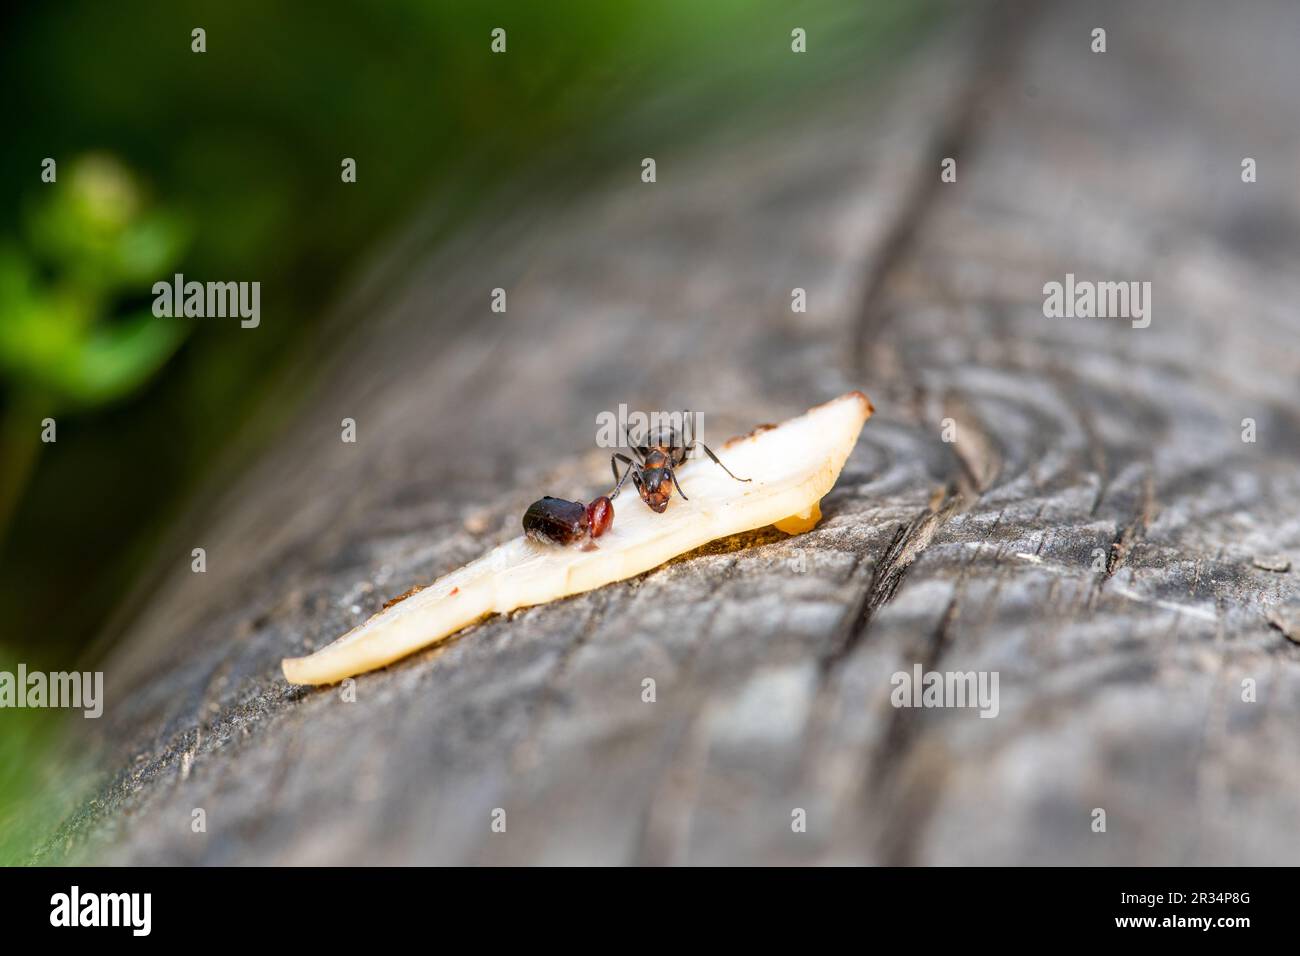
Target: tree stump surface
column 1094, row 534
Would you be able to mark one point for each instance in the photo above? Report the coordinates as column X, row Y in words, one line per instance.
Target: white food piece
column 792, row 465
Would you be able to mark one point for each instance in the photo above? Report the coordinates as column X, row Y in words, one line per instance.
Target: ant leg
column 709, row 451
column 613, row 464
column 673, row 475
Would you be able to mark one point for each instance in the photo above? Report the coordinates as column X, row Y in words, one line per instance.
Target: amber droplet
column 600, row 515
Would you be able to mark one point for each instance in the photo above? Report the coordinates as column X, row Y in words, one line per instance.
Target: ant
column 660, row 453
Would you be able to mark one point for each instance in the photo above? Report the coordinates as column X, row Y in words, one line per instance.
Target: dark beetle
column 557, row 521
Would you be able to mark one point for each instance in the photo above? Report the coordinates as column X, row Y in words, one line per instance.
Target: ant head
column 655, row 490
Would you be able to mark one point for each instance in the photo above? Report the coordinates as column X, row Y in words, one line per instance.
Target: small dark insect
column 658, row 455
column 557, row 521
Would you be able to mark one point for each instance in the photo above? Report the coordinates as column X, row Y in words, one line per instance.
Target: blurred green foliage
column 225, row 165
column 36, row 788
column 61, row 345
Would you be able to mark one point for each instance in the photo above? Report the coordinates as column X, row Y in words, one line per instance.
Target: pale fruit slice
column 792, row 465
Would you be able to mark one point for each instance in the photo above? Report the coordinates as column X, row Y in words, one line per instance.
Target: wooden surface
column 1120, row 689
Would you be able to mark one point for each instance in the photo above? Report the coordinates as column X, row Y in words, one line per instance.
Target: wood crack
column 908, row 543
column 1132, row 531
column 908, row 801
column 1003, row 31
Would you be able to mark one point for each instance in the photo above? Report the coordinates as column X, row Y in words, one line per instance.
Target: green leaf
column 118, row 358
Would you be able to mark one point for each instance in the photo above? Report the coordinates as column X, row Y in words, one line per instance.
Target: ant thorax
column 670, row 447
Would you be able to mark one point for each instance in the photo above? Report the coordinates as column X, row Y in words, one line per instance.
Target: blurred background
column 225, row 165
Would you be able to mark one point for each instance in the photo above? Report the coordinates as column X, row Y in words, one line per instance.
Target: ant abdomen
column 558, row 521
column 555, row 520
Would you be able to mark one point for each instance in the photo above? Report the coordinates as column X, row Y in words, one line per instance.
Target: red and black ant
column 660, row 453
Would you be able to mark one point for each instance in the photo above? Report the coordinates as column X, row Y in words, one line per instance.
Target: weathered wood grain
column 1121, row 682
